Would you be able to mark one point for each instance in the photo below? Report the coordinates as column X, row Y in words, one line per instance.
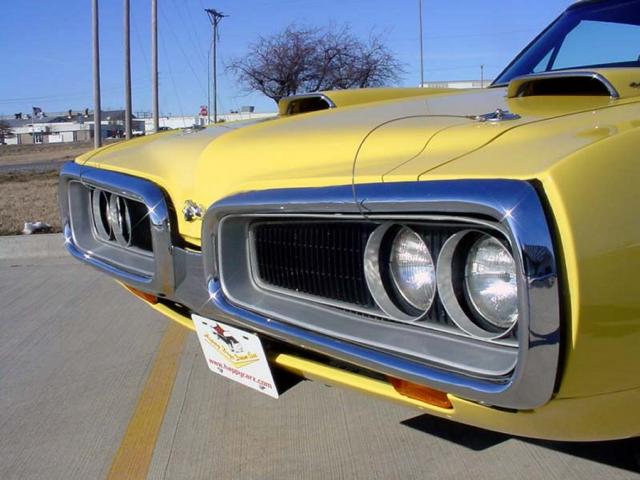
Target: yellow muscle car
column 474, row 253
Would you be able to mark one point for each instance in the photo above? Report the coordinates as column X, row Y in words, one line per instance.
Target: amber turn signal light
column 421, row 393
column 147, row 297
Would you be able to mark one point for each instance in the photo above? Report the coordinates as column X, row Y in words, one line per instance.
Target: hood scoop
column 309, row 102
column 565, row 83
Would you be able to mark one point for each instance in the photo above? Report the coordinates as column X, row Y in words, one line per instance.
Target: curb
column 49, row 245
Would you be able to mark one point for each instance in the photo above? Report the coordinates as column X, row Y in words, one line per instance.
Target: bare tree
column 300, row 60
column 5, row 131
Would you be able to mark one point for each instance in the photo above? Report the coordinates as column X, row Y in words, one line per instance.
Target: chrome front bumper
column 191, row 279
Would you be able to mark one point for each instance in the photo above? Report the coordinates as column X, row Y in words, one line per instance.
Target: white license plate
column 235, row 354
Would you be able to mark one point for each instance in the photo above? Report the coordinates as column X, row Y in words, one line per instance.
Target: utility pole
column 154, row 66
column 481, row 76
column 127, row 72
column 209, row 83
column 421, row 45
column 215, row 17
column 97, row 118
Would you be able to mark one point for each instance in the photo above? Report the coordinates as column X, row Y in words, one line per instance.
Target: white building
column 69, row 127
column 173, row 122
column 457, row 84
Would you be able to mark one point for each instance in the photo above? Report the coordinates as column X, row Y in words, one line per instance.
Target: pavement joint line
column 134, row 454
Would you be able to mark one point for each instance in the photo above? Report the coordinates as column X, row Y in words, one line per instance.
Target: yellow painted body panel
column 582, row 152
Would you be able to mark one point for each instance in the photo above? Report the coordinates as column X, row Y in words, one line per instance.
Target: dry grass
column 28, row 197
column 48, row 152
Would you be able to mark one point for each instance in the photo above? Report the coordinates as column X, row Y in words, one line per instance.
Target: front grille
column 321, row 259
column 326, row 260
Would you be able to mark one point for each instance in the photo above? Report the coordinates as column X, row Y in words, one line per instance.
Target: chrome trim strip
column 514, row 204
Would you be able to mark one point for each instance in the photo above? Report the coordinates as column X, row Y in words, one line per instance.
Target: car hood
column 391, row 140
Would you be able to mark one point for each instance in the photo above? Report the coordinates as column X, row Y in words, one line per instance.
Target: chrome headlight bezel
column 385, row 289
column 489, row 319
column 421, row 264
column 452, row 286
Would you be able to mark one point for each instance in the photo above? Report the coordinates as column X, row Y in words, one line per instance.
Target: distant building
column 67, row 127
column 79, row 126
column 174, row 122
column 457, row 83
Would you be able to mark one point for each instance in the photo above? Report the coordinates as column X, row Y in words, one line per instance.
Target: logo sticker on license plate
column 235, row 354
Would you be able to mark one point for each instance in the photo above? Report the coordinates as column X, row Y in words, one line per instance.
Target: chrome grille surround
column 513, row 206
column 117, row 223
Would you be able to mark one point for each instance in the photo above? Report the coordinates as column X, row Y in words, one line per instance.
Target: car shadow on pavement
column 623, row 454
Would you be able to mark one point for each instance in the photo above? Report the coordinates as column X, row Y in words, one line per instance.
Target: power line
column 184, row 53
column 143, row 52
column 197, row 48
column 175, row 87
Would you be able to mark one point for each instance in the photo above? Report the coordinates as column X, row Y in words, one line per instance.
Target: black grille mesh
column 322, row 259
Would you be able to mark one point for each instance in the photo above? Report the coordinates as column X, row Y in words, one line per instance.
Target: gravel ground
column 28, row 197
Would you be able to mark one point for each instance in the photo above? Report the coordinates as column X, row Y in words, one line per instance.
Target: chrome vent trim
column 518, row 84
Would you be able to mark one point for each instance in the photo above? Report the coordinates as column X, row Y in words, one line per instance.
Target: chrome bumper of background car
column 192, row 280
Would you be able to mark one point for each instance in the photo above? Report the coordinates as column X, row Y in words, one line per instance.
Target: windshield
column 588, row 35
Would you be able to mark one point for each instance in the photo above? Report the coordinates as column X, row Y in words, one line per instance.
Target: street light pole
column 215, row 17
column 97, row 118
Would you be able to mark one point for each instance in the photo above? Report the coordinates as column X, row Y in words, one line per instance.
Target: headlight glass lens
column 490, row 276
column 412, row 269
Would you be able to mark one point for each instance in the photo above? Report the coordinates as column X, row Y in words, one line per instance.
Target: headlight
column 412, row 269
column 400, row 272
column 491, row 283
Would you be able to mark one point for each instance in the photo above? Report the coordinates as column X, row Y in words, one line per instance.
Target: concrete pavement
column 76, row 355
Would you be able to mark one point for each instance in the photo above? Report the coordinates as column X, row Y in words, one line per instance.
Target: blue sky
column 47, row 45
